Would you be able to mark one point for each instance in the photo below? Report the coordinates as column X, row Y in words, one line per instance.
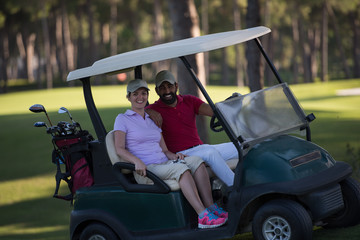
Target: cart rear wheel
column 97, row 231
column 350, row 215
column 282, row 219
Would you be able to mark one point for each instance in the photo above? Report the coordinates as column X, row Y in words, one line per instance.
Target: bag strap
column 56, row 156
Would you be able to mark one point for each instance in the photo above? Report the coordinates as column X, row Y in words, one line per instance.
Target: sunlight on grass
column 26, row 189
column 18, row 229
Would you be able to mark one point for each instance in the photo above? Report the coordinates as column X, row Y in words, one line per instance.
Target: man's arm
column 155, row 116
column 205, row 110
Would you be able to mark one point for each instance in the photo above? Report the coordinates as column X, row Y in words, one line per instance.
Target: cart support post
column 94, row 114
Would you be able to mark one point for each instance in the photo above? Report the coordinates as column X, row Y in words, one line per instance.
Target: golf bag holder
column 73, row 151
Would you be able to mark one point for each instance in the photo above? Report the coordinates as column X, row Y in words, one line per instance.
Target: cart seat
column 114, row 158
column 173, row 184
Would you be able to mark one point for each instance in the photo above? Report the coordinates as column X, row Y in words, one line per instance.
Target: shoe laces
column 211, row 216
column 218, row 209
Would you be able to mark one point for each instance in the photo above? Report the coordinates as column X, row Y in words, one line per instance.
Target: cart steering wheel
column 215, row 124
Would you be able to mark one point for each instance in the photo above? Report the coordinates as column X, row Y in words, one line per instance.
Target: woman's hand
column 140, row 168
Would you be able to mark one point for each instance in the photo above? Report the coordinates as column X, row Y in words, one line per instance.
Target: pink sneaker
column 218, row 211
column 210, row 220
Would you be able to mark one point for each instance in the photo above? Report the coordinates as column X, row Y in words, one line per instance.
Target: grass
column 27, row 180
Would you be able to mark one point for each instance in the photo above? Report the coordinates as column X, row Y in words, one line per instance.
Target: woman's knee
column 193, row 162
column 184, row 175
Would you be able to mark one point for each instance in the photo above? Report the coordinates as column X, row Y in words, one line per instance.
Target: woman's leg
column 188, row 187
column 201, row 178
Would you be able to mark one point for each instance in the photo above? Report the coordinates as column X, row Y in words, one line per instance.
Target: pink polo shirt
column 142, row 137
column 179, row 122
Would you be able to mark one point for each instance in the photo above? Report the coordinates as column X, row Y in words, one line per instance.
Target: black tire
column 282, row 219
column 350, row 215
column 98, row 231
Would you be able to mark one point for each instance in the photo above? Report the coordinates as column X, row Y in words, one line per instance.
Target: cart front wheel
column 282, row 219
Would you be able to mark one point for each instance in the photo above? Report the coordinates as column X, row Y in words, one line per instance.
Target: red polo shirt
column 179, row 122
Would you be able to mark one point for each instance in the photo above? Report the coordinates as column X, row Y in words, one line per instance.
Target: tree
column 254, row 66
column 324, row 44
column 45, row 31
column 185, row 23
column 355, row 21
column 158, row 32
column 338, row 39
column 239, row 62
column 5, row 60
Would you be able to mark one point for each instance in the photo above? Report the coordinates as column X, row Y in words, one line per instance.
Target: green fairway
column 27, row 182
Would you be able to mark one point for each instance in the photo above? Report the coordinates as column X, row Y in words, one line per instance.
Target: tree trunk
column 185, row 24
column 30, row 50
column 47, row 51
column 254, row 71
column 81, row 54
column 295, row 63
column 324, row 45
column 225, row 78
column 158, row 33
column 4, row 61
column 69, row 47
column 305, row 50
column 315, row 39
column 338, row 40
column 238, row 47
column 205, row 30
column 354, row 17
column 267, row 42
column 113, row 31
column 135, row 24
column 22, row 50
column 60, row 47
column 92, row 45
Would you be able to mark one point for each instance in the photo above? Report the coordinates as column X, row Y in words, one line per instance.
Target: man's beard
column 168, row 101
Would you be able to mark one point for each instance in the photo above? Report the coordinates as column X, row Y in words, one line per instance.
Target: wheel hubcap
column 276, row 228
column 97, row 237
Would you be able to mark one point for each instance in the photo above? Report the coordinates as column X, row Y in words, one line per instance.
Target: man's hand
column 155, row 116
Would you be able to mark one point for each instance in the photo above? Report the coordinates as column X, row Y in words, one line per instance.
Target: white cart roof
column 166, row 51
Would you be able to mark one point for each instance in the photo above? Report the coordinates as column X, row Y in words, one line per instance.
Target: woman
column 139, row 141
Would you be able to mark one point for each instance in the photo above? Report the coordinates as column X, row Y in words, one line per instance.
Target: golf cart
column 284, row 184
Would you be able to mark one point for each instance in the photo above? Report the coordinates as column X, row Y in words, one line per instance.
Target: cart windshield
column 263, row 114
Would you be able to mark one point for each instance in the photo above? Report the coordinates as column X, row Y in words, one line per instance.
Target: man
column 178, row 123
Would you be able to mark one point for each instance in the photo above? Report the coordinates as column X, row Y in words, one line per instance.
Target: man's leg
column 213, row 159
column 227, row 150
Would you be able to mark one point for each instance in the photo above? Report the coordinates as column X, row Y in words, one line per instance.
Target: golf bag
column 72, row 151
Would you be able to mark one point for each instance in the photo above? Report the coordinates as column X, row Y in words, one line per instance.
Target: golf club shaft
column 48, row 118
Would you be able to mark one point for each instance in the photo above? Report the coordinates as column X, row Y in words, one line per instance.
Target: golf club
column 36, row 108
column 65, row 110
column 40, row 124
